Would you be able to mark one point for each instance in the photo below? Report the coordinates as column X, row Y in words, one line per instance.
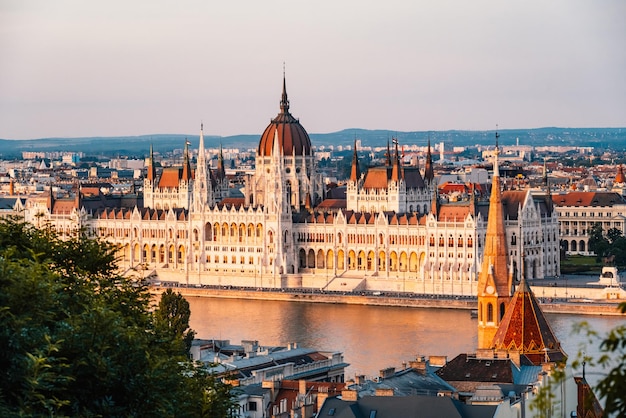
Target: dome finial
column 284, row 101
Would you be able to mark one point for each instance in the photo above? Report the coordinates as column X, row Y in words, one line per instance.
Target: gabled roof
column 453, row 212
column 466, row 372
column 377, row 178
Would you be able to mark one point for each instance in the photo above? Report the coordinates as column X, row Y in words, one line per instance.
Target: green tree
column 611, row 389
column 172, row 315
column 597, row 242
column 613, row 234
column 77, row 339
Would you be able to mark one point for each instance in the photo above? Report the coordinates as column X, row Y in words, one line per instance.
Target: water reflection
column 371, row 337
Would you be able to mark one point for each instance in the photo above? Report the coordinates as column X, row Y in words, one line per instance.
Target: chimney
column 273, row 386
column 384, row 392
column 321, row 398
column 302, row 387
column 388, row 372
column 349, row 395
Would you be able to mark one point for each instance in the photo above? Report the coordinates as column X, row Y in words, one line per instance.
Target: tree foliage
column 77, row 339
column 172, row 316
column 611, row 245
column 612, row 388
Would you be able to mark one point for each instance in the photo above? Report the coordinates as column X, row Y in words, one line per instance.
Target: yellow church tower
column 494, row 281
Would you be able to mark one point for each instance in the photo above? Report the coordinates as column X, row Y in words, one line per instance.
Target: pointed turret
column 494, row 281
column 151, row 171
column 186, row 176
column 202, row 178
column 284, row 101
column 221, row 171
column 355, row 172
column 429, row 174
column 524, row 329
column 395, row 168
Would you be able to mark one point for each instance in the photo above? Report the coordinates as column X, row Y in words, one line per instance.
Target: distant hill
column 138, row 146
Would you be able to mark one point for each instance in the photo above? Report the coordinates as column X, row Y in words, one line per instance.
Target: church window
column 502, row 310
column 489, row 312
column 514, row 239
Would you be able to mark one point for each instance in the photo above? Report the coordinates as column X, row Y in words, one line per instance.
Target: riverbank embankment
column 380, row 299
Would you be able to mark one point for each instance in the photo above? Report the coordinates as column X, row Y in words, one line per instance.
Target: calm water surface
column 370, row 337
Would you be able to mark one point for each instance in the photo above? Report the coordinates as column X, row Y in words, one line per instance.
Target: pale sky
column 130, row 67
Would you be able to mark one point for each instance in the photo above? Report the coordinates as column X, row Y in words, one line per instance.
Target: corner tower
column 494, row 281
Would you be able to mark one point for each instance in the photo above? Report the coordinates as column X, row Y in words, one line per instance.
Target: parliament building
column 390, row 232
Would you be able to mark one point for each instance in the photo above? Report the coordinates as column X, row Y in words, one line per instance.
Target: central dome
column 292, row 138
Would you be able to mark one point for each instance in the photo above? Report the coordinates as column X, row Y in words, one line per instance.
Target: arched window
column 489, row 312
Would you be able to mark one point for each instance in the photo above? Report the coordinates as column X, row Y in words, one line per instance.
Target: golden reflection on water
column 370, row 337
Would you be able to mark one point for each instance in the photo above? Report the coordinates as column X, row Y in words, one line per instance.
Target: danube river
column 370, row 337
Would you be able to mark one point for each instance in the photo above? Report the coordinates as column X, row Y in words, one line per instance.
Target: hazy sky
column 130, row 67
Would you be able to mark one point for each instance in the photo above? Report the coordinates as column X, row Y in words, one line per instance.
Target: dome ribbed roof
column 292, row 137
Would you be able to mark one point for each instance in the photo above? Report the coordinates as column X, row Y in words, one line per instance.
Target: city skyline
column 72, row 69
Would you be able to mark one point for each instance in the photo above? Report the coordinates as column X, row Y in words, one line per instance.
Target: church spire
column 429, row 174
column 355, row 173
column 494, row 281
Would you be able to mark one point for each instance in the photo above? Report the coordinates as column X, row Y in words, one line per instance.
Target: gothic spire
column 494, row 281
column 186, row 165
column 202, row 178
column 429, row 174
column 221, row 170
column 395, row 169
column 151, row 170
column 355, row 173
column 284, row 101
